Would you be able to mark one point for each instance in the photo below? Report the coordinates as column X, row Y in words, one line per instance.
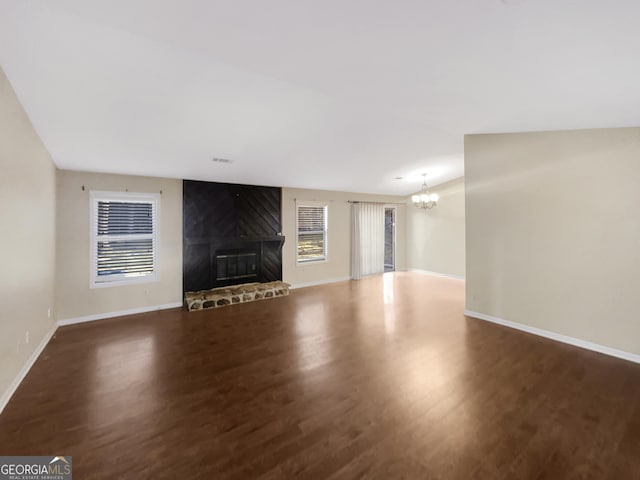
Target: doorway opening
column 389, row 239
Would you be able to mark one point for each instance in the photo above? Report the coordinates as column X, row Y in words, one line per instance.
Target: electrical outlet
column 48, row 312
column 26, row 337
column 146, row 291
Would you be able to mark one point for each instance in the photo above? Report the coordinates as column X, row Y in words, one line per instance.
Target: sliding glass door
column 389, row 239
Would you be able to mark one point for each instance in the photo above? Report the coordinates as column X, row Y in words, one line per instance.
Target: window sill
column 310, row 262
column 124, row 282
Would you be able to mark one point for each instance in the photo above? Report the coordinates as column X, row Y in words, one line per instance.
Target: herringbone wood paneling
column 271, row 262
column 258, row 211
column 224, row 216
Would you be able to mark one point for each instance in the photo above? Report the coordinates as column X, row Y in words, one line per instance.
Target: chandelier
column 424, row 199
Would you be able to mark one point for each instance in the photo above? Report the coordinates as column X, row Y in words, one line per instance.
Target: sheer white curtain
column 367, row 239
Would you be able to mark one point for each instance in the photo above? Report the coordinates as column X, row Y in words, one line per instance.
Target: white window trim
column 96, row 196
column 299, row 262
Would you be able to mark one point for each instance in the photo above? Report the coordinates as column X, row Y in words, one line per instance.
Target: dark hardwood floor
column 380, row 378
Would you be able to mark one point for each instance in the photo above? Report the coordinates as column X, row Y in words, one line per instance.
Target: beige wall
column 552, row 232
column 435, row 238
column 74, row 298
column 27, row 223
column 338, row 264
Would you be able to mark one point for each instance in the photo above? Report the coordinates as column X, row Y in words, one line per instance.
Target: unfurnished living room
column 320, row 240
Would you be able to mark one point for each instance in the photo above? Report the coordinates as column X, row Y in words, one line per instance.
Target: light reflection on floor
column 389, row 302
column 311, row 322
column 124, row 373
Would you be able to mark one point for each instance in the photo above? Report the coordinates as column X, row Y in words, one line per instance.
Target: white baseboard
column 6, row 396
column 632, row 357
column 436, row 274
column 120, row 313
column 319, row 282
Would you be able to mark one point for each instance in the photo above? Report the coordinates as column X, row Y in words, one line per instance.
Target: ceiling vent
column 221, row 160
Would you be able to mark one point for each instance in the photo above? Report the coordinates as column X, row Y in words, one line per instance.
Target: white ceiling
column 331, row 94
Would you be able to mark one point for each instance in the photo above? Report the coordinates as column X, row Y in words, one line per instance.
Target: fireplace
column 236, row 264
column 232, row 234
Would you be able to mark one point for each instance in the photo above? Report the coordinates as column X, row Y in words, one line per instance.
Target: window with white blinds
column 312, row 233
column 123, row 237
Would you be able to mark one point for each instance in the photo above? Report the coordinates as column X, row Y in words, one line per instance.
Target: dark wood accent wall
column 224, row 218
